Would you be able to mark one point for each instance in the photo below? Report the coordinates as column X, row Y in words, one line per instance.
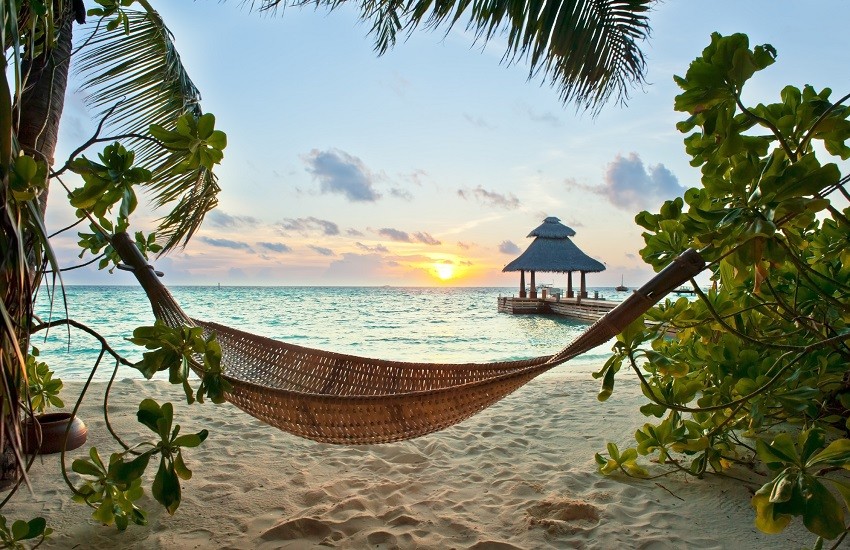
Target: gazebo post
column 570, row 285
column 522, row 283
column 583, row 286
column 532, row 291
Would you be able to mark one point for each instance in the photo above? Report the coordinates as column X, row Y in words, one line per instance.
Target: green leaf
column 180, row 467
column 836, row 454
column 104, row 512
column 149, row 414
column 126, row 472
column 166, row 487
column 823, row 514
column 607, row 385
column 86, row 468
column 767, row 519
column 191, row 440
column 20, row 530
column 206, row 125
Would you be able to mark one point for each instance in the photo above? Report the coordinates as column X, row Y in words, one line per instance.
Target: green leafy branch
column 174, row 350
column 767, row 348
column 797, row 490
column 43, row 388
column 23, row 530
column 116, row 486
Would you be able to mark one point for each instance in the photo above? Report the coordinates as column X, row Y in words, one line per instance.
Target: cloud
column 307, row 226
column 477, row 121
column 490, row 198
column 321, row 250
column 351, row 266
column 394, row 234
column 275, row 247
column 508, row 247
column 399, row 85
column 463, row 245
column 416, row 176
column 351, row 232
column 546, row 117
column 426, row 238
column 632, row 186
column 378, row 249
column 400, row 193
column 405, row 237
column 340, row 173
column 219, row 218
column 224, row 243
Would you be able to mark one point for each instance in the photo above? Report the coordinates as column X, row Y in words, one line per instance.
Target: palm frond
column 142, row 72
column 587, row 49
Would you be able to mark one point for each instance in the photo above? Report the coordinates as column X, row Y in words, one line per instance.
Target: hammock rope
column 346, row 399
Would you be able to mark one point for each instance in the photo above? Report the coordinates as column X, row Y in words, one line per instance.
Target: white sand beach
column 519, row 475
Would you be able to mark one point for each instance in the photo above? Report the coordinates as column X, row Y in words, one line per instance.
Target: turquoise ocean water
column 406, row 324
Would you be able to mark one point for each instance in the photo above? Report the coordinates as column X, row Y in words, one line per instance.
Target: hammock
column 345, row 399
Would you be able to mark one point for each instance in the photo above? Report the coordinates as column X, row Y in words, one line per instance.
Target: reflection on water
column 405, row 324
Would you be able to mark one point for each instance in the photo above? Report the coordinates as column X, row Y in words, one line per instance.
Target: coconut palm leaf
column 587, row 49
column 143, row 74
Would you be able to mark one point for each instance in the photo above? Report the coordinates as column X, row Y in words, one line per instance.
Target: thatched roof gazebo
column 552, row 251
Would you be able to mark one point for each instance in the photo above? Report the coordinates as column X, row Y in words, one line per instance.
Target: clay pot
column 53, row 426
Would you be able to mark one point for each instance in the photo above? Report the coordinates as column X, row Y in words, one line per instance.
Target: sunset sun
column 444, row 271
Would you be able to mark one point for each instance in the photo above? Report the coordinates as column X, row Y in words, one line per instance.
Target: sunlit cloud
column 308, row 226
column 425, row 238
column 364, row 267
column 508, row 247
column 275, row 247
column 490, row 198
column 377, row 249
column 631, row 186
column 321, row 250
column 394, row 234
column 343, row 174
column 405, row 237
column 225, row 243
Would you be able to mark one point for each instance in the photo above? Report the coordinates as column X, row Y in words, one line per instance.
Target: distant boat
column 622, row 287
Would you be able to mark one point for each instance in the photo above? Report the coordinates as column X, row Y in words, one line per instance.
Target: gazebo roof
column 552, row 228
column 554, row 255
column 553, row 251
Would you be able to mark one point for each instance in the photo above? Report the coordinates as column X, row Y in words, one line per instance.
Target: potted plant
column 46, row 433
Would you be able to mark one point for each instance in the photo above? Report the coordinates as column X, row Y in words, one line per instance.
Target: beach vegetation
column 155, row 137
column 757, row 371
column 42, row 386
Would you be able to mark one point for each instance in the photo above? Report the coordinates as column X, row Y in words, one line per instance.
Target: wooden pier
column 582, row 309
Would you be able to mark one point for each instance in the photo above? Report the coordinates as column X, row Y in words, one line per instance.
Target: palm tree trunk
column 43, row 99
column 39, row 113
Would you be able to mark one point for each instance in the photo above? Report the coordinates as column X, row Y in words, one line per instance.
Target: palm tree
column 588, row 50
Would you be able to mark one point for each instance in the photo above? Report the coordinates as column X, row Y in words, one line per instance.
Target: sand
column 519, row 475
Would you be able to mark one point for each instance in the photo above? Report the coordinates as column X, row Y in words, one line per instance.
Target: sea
column 442, row 324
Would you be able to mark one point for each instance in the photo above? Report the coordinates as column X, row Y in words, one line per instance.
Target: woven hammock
column 345, row 399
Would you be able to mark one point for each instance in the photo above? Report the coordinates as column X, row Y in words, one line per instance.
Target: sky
column 429, row 165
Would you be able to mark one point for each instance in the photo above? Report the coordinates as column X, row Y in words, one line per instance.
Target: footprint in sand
column 563, row 515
